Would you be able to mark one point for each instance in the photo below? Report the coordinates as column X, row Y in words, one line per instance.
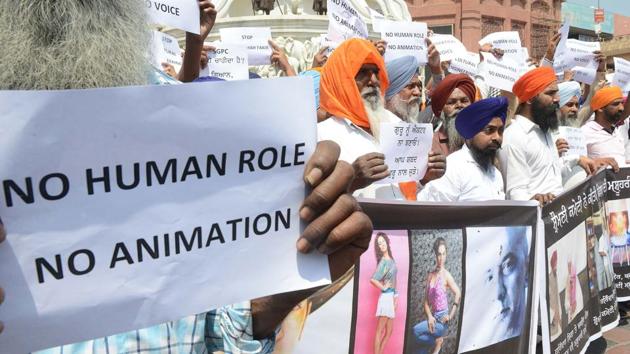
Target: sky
column 618, row 6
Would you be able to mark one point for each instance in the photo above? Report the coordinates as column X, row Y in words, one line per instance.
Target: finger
column 381, row 175
column 374, row 162
column 3, row 233
column 321, row 227
column 328, row 191
column 351, row 238
column 273, row 45
column 374, row 155
column 379, row 169
column 322, row 163
column 437, row 166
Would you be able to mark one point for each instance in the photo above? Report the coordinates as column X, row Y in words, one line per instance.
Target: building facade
column 471, row 20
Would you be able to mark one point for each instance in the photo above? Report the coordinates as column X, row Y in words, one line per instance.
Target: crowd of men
column 488, row 145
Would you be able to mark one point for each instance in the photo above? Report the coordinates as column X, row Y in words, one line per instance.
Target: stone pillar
column 470, row 24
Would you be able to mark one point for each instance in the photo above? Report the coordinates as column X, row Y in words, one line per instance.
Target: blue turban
column 316, row 78
column 568, row 89
column 208, row 78
column 400, row 71
column 254, row 75
column 472, row 119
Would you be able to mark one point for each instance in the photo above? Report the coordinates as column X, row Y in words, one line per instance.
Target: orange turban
column 445, row 88
column 533, row 82
column 605, row 96
column 339, row 94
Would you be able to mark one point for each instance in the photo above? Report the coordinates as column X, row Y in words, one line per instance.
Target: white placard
column 405, row 38
column 621, row 77
column 558, row 57
column 228, row 62
column 520, row 57
column 500, row 73
column 465, row 63
column 149, row 204
column 509, row 41
column 376, row 18
column 578, row 53
column 182, row 14
column 448, row 46
column 327, row 42
column 344, row 21
column 256, row 39
column 406, row 148
column 165, row 49
column 576, row 140
column 584, row 75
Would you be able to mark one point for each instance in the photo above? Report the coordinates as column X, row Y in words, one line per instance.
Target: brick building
column 470, row 20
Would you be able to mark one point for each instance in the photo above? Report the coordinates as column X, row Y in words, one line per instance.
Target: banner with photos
column 453, row 278
column 580, row 302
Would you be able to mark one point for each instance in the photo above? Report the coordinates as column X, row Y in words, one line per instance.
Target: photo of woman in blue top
column 384, row 278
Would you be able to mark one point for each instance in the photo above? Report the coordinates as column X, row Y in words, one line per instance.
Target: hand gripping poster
column 580, row 302
column 438, row 277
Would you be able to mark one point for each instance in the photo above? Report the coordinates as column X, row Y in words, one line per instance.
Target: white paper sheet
column 621, row 77
column 345, row 21
column 256, row 39
column 165, row 49
column 509, row 41
column 228, row 61
column 406, row 148
column 405, row 38
column 465, row 63
column 448, row 46
column 500, row 73
column 182, row 14
column 224, row 217
column 576, row 140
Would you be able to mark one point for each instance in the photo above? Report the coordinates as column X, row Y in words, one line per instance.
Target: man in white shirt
column 602, row 135
column 529, row 160
column 471, row 174
column 351, row 88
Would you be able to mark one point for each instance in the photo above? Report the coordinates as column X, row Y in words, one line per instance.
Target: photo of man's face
column 497, row 261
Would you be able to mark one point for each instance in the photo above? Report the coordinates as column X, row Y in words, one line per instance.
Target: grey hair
column 63, row 44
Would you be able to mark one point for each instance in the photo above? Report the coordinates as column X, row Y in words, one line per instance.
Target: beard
column 545, row 116
column 406, row 110
column 455, row 141
column 64, row 44
column 484, row 157
column 569, row 120
column 613, row 118
column 375, row 109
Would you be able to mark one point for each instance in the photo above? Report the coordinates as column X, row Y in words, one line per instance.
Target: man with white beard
column 352, row 83
column 449, row 97
column 74, row 44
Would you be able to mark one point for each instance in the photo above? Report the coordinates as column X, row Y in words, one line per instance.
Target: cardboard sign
column 345, row 21
column 405, row 38
column 165, row 49
column 500, row 73
column 228, row 61
column 162, row 207
column 256, row 39
column 182, row 14
column 448, row 46
column 406, row 148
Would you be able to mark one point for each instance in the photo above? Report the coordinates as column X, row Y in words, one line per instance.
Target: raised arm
column 194, row 42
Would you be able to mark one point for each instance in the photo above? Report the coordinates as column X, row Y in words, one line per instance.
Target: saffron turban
column 605, row 96
column 445, row 88
column 338, row 92
column 533, row 82
column 567, row 90
column 472, row 119
column 316, row 78
column 400, row 71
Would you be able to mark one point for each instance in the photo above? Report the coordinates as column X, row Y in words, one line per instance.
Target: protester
column 405, row 90
column 602, row 135
column 352, row 83
column 472, row 174
column 448, row 98
column 68, row 38
column 569, row 102
column 529, row 160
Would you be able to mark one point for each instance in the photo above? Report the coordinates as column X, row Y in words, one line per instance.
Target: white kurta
column 464, row 180
column 529, row 161
column 356, row 142
column 600, row 143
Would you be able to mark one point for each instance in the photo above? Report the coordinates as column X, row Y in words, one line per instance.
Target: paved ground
column 619, row 339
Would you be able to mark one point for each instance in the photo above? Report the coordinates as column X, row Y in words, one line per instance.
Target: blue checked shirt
column 227, row 329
